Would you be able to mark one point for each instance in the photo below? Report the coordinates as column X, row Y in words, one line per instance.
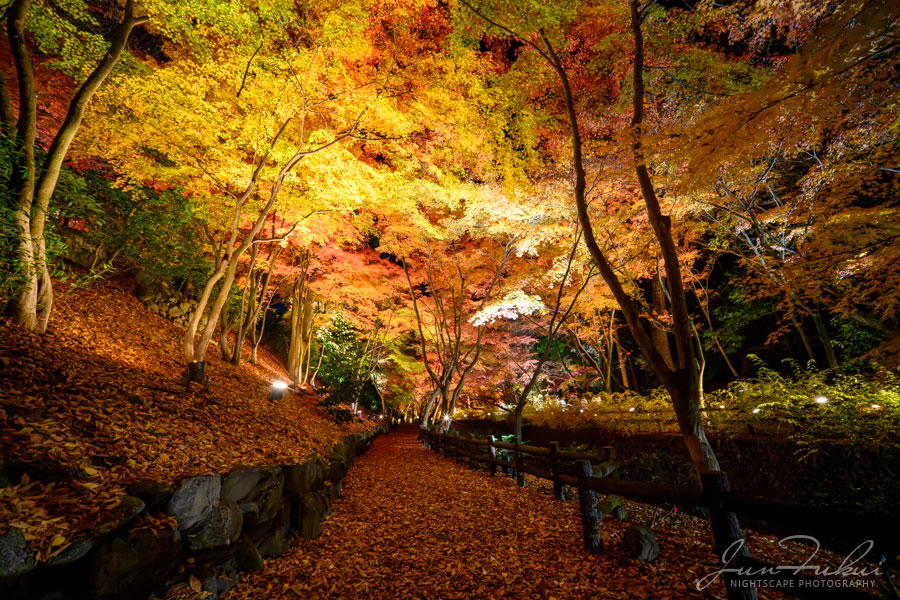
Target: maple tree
column 34, row 184
column 383, row 194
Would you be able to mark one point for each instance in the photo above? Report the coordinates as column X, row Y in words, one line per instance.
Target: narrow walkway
column 412, row 524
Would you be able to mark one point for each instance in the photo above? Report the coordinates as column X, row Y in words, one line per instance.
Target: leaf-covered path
column 413, row 524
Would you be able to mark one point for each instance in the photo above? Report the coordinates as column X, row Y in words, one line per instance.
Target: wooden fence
column 596, row 473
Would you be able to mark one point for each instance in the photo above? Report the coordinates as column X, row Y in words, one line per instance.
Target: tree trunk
column 830, row 356
column 659, row 335
column 428, row 406
column 34, row 304
column 224, row 330
column 798, row 326
column 300, row 347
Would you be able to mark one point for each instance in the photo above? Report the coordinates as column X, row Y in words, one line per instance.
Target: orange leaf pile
column 84, row 411
column 415, row 525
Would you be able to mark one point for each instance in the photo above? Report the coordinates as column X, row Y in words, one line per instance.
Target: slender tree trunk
column 34, row 190
column 798, row 326
column 659, row 335
column 830, row 356
column 224, row 330
column 623, row 367
column 301, row 331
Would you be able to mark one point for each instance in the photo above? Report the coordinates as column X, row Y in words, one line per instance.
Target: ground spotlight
column 276, row 390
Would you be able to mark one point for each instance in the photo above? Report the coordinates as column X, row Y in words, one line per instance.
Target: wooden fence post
column 520, row 476
column 492, row 454
column 590, row 514
column 726, row 532
column 554, row 469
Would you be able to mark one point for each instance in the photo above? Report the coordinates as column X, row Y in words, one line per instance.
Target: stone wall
column 226, row 525
column 177, row 309
column 79, row 250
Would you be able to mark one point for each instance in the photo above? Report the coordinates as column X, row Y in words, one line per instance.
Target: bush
column 852, row 407
column 346, row 365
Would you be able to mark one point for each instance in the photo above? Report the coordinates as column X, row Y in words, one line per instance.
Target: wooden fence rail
column 595, row 473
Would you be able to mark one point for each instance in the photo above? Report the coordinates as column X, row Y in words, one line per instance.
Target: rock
column 210, row 585
column 250, row 511
column 153, row 493
column 127, row 510
column 302, row 479
column 16, row 564
column 238, row 484
column 247, row 556
column 133, row 566
column 194, row 499
column 185, row 308
column 278, row 539
column 225, row 583
column 608, row 505
column 312, row 507
column 619, row 513
column 173, row 312
column 326, row 499
column 268, row 496
column 336, row 471
column 221, row 528
column 345, row 451
column 641, row 543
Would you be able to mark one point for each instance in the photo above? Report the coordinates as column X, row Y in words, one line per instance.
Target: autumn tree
column 453, row 357
column 35, row 180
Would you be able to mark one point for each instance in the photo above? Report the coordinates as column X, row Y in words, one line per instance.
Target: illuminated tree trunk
column 33, row 186
column 429, row 405
column 657, row 332
column 300, row 349
column 254, row 303
column 623, row 359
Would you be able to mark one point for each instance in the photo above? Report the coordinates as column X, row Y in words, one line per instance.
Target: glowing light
column 276, row 390
column 821, row 400
column 876, row 406
column 446, row 417
column 582, row 410
column 631, row 409
column 721, row 406
column 755, row 411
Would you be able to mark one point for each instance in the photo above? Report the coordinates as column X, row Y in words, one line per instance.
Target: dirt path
column 412, row 524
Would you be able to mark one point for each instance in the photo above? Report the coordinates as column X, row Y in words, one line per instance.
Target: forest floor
column 413, row 524
column 95, row 404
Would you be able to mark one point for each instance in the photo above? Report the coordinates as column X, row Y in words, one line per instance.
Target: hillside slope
column 95, row 404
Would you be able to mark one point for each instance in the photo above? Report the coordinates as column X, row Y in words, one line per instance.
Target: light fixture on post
column 196, row 371
column 276, row 390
